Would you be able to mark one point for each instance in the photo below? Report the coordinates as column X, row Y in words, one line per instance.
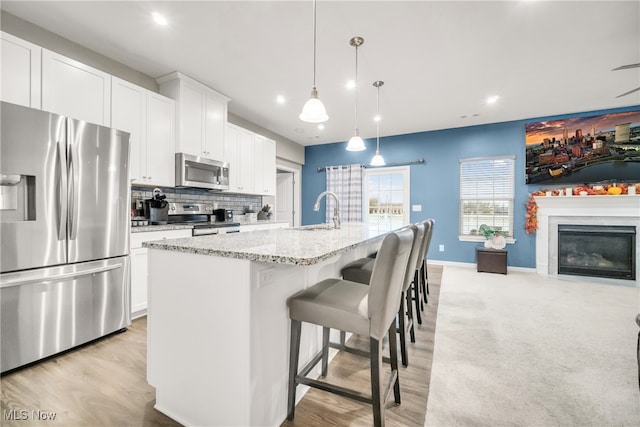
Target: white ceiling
column 439, row 60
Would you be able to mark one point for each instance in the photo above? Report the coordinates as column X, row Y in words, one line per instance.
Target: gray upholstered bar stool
column 405, row 312
column 357, row 308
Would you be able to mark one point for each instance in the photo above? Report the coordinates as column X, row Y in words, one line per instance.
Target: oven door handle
column 204, row 231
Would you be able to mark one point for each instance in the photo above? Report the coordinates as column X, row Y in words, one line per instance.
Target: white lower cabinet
column 139, row 269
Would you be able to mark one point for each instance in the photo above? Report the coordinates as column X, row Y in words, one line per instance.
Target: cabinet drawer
column 137, row 239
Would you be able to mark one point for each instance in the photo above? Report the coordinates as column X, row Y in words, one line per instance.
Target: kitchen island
column 218, row 324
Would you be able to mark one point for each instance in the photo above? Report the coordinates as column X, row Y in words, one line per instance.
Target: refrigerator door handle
column 62, row 190
column 74, row 160
column 58, row 277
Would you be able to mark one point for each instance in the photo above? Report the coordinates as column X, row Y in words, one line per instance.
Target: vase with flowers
column 495, row 239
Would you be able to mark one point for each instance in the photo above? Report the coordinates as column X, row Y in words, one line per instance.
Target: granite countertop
column 165, row 227
column 296, row 246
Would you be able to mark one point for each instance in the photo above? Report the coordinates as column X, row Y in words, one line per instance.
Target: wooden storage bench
column 492, row 260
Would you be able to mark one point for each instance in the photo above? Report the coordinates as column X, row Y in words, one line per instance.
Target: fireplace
column 588, row 212
column 597, row 251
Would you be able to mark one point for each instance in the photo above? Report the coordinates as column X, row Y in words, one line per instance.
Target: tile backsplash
column 238, row 203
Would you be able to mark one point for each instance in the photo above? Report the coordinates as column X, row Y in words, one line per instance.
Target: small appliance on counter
column 157, row 208
column 223, row 215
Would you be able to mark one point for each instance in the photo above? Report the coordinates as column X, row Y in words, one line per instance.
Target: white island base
column 218, row 334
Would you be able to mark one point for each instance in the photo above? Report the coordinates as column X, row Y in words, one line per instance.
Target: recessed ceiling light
column 280, row 99
column 492, row 99
column 377, row 118
column 159, row 18
column 320, row 126
column 350, row 84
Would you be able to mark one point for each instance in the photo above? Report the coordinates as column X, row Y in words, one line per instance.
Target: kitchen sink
column 314, row 227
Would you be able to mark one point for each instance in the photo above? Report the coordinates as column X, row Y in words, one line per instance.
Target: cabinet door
column 230, row 155
column 160, row 140
column 139, row 271
column 128, row 113
column 215, row 119
column 20, row 71
column 265, row 166
column 246, row 160
column 191, row 105
column 74, row 89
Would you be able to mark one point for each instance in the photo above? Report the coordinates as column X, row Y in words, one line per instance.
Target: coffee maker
column 223, row 215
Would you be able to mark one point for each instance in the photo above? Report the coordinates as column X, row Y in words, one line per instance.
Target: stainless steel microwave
column 200, row 172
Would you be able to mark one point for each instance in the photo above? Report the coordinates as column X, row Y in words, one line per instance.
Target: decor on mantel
column 313, row 110
column 356, row 143
column 531, row 218
column 377, row 159
column 613, row 189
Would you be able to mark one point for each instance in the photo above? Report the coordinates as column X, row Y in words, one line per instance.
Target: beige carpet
column 521, row 350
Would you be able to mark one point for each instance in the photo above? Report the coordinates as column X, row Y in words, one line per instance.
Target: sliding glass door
column 386, row 198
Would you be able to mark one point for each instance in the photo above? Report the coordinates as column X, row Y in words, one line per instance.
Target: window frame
column 510, row 199
column 386, row 170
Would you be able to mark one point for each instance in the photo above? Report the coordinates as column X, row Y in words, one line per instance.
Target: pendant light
column 377, row 160
column 356, row 143
column 313, row 110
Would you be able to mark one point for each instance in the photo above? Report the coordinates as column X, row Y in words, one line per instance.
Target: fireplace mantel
column 603, row 210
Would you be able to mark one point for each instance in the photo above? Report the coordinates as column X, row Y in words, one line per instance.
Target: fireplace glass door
column 597, row 251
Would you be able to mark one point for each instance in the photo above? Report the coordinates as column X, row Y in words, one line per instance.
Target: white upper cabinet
column 20, row 71
column 201, row 115
column 252, row 162
column 239, row 152
column 74, row 89
column 265, row 166
column 161, row 140
column 149, row 118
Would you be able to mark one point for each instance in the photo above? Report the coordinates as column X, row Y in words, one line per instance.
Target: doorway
column 285, row 197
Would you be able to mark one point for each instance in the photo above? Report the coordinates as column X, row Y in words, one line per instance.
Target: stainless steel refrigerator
column 64, row 228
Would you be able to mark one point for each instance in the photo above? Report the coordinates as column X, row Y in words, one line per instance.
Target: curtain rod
column 413, row 162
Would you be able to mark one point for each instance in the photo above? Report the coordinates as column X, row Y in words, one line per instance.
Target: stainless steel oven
column 200, row 216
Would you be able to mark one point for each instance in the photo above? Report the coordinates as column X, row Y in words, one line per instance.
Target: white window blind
column 486, row 194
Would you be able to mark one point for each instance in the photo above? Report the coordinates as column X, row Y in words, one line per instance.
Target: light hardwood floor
column 103, row 384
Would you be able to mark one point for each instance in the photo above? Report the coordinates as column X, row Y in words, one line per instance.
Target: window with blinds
column 486, row 194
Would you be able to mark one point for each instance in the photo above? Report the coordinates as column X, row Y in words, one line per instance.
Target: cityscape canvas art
column 590, row 149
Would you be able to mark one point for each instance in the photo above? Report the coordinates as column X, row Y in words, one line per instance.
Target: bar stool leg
column 412, row 332
column 403, row 329
column 393, row 354
column 294, row 353
column 325, row 350
column 416, row 294
column 375, row 348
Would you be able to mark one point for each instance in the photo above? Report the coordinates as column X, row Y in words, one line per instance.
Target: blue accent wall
column 435, row 184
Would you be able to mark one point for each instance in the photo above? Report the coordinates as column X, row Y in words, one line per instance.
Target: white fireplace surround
column 582, row 210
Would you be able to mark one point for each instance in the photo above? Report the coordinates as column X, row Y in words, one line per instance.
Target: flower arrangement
column 495, row 238
column 531, row 219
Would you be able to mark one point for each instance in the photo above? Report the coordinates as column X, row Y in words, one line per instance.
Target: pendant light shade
column 356, row 143
column 313, row 110
column 377, row 160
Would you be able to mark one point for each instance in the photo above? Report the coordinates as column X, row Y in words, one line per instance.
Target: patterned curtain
column 346, row 183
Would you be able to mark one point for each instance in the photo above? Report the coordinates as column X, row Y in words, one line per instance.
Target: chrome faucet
column 336, row 210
